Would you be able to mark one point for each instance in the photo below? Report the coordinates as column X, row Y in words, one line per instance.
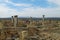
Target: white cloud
column 53, row 12
column 38, row 12
column 34, row 12
column 54, row 1
column 6, row 0
column 31, row 11
column 5, row 11
column 25, row 5
column 17, row 4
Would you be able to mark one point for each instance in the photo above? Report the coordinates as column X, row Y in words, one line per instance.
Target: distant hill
column 24, row 18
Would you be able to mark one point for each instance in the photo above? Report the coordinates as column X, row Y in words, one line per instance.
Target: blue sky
column 27, row 8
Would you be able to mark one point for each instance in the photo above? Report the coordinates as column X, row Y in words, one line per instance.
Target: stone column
column 30, row 19
column 15, row 20
column 43, row 19
column 12, row 19
column 24, row 34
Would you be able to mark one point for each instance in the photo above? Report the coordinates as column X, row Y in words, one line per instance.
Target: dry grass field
column 36, row 30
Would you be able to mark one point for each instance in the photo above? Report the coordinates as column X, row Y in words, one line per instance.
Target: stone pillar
column 30, row 19
column 43, row 19
column 24, row 35
column 12, row 19
column 15, row 20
